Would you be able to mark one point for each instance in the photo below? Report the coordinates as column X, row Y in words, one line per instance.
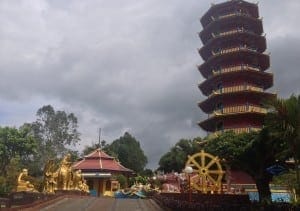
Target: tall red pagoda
column 234, row 68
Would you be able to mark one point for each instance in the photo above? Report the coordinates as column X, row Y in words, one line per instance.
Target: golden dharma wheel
column 209, row 172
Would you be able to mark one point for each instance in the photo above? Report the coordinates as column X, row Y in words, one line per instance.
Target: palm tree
column 283, row 119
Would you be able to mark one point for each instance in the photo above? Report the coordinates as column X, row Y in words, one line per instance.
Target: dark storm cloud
column 122, row 65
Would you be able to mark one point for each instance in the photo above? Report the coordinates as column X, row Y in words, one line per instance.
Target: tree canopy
column 15, row 143
column 283, row 120
column 54, row 132
column 17, row 147
column 129, row 152
column 251, row 152
column 175, row 159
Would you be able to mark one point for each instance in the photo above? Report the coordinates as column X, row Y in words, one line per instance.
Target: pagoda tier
column 243, row 95
column 237, row 80
column 234, row 68
column 218, row 11
column 230, row 25
column 253, row 41
column 230, row 58
column 240, row 119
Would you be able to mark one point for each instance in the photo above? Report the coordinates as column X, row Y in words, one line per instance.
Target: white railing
column 233, row 49
column 230, row 15
column 238, row 130
column 237, row 109
column 233, row 31
column 239, row 88
column 234, row 69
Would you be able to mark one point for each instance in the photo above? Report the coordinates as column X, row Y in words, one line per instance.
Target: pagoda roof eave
column 243, row 55
column 265, row 77
column 205, row 51
column 206, row 105
column 229, row 4
column 256, row 25
column 209, row 124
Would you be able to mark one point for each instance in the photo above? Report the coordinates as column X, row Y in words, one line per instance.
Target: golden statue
column 77, row 180
column 64, row 177
column 84, row 186
column 23, row 184
column 50, row 177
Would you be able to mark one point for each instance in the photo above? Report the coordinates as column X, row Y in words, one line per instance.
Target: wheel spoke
column 211, row 179
column 213, row 161
column 195, row 163
column 202, row 160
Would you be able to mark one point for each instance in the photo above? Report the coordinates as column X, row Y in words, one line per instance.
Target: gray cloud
column 122, row 65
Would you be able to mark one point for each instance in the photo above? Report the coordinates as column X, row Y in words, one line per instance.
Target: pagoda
column 235, row 68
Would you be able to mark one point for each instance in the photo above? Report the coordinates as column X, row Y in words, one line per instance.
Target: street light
column 189, row 170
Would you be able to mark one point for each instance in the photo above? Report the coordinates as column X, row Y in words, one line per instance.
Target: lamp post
column 189, row 170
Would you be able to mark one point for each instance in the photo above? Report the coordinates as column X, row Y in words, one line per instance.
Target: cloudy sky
column 123, row 65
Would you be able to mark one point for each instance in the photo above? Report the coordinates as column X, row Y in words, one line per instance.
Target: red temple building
column 99, row 170
column 235, row 68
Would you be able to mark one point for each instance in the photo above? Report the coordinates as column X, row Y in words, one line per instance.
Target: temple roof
column 97, row 154
column 98, row 160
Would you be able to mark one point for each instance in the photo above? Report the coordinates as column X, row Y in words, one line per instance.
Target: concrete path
column 102, row 204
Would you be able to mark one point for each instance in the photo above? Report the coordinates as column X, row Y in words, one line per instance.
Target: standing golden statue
column 50, row 177
column 77, row 180
column 23, row 183
column 64, row 177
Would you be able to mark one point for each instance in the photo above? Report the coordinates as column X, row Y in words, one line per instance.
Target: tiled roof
column 100, row 161
column 98, row 153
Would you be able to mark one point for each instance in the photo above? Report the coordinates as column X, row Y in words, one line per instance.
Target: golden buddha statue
column 23, row 184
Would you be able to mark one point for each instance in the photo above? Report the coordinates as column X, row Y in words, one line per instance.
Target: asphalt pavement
column 101, row 204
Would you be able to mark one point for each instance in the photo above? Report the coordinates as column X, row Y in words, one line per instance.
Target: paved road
column 102, row 204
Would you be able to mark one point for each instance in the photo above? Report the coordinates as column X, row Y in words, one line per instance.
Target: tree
column 129, row 152
column 54, row 131
column 175, row 159
column 15, row 143
column 252, row 153
column 283, row 120
column 147, row 173
column 122, row 180
column 17, row 148
column 13, row 170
